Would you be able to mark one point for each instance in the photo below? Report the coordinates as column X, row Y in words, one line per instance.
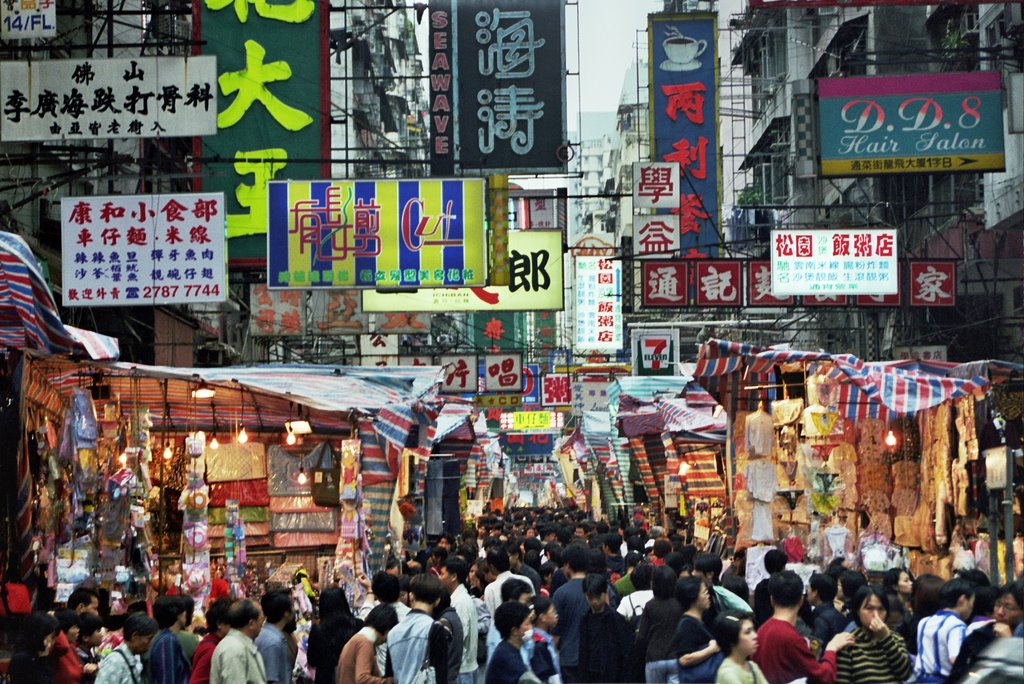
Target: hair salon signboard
column 918, row 123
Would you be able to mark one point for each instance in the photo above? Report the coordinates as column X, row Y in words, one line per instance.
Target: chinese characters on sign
column 684, row 121
column 271, row 60
column 832, row 262
column 664, row 284
column 718, row 283
column 655, row 185
column 503, row 372
column 932, row 283
column 510, row 66
column 912, row 123
column 655, row 234
column 535, row 285
column 20, row 19
column 759, row 286
column 556, row 389
column 143, row 249
column 460, row 374
column 426, row 233
column 378, row 350
column 275, row 312
column 598, row 304
column 61, row 99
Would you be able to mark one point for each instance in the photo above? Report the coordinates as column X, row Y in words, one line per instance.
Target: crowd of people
column 548, row 597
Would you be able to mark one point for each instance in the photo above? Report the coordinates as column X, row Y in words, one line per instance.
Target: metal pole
column 993, row 534
column 1008, row 513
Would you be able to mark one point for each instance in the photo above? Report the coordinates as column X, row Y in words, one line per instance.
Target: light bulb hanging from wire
column 243, row 437
column 168, row 452
column 214, row 444
column 890, row 439
column 302, row 475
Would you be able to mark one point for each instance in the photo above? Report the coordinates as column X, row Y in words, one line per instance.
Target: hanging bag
column 326, row 476
column 14, row 599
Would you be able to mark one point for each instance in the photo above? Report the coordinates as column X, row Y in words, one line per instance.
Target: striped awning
column 867, row 390
column 28, row 313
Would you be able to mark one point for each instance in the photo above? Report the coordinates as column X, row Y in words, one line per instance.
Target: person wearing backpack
column 632, row 606
column 418, row 647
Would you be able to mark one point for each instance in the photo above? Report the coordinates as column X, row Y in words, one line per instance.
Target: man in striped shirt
column 940, row 636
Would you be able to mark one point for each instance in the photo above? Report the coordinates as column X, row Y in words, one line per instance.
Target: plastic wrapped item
column 295, row 504
column 85, row 426
column 285, row 540
column 290, row 473
column 251, row 529
column 233, row 461
column 246, row 492
column 219, row 516
column 303, row 522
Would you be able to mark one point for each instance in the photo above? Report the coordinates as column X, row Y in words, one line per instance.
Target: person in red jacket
column 67, row 668
column 217, row 627
column 783, row 655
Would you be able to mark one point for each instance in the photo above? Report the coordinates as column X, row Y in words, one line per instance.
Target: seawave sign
column 918, row 123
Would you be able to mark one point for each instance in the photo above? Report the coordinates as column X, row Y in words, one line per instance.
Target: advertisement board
column 387, row 233
column 20, row 19
column 510, row 102
column 683, row 77
column 143, row 250
column 808, row 4
column 849, row 261
column 598, row 304
column 79, row 99
column 535, row 284
column 916, row 123
column 273, row 71
column 655, row 352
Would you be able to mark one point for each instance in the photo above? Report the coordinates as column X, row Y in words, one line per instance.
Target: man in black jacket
column 828, row 621
column 606, row 639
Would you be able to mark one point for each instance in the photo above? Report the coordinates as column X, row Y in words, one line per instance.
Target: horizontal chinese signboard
column 21, row 19
column 918, row 123
column 143, row 250
column 535, row 283
column 825, row 261
column 780, row 4
column 142, row 97
column 683, row 283
column 386, row 233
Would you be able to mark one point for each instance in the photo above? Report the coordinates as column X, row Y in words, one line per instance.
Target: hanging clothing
column 836, row 536
column 761, row 480
column 761, row 522
column 760, row 434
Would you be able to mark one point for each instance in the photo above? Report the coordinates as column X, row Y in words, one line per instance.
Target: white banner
column 143, row 97
column 840, row 261
column 143, row 250
column 20, row 19
column 598, row 304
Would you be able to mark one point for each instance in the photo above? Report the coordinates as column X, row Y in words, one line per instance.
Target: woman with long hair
column 328, row 637
column 899, row 589
column 925, row 603
column 878, row 655
column 695, row 648
column 657, row 626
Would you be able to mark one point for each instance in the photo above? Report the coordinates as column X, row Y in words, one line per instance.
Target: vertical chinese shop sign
column 684, row 118
column 271, row 62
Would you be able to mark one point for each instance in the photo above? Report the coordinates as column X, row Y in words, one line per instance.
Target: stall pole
column 993, row 533
column 1008, row 513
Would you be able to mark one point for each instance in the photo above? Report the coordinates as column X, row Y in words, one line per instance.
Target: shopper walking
column 236, row 660
column 327, row 638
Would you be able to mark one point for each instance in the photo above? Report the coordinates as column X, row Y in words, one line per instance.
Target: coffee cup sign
column 682, row 51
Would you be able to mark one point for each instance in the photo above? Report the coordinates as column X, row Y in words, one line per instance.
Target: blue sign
column 683, row 61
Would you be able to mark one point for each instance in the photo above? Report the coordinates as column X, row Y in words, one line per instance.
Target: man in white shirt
column 940, row 636
column 498, row 559
column 454, row 574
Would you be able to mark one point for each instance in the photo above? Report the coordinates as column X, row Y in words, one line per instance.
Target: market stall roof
column 644, row 405
column 261, row 397
column 28, row 313
column 876, row 390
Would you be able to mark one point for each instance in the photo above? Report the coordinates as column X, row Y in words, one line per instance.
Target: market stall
column 830, row 457
column 203, row 480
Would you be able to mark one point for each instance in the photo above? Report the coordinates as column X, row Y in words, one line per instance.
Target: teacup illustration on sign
column 682, row 51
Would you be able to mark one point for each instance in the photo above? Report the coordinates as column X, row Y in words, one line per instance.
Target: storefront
column 880, row 463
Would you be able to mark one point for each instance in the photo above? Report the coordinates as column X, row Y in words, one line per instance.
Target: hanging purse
column 14, row 599
column 326, row 476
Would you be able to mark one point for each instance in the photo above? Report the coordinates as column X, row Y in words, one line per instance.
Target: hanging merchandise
column 233, row 461
column 759, row 432
column 351, row 450
column 326, row 476
column 786, row 411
